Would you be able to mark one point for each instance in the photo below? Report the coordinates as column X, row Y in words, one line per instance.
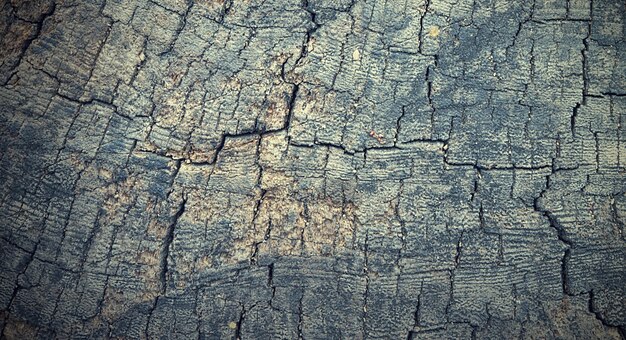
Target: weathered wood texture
column 313, row 169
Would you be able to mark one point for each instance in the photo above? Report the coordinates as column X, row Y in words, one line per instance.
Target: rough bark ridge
column 312, row 169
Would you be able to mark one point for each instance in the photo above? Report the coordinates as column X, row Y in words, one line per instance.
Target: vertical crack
column 165, row 248
column 416, row 315
column 292, row 102
column 598, row 314
column 29, row 41
column 397, row 134
column 585, row 66
column 433, row 110
column 167, row 243
column 421, row 32
column 459, row 249
column 597, row 141
column 242, row 316
column 300, row 315
column 561, row 235
column 270, row 282
column 451, row 294
column 367, row 285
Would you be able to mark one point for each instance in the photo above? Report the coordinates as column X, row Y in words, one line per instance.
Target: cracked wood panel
column 312, row 169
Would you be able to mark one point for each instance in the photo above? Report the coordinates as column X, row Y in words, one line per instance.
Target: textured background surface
column 313, row 169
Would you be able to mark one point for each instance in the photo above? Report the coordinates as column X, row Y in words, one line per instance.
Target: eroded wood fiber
column 312, row 169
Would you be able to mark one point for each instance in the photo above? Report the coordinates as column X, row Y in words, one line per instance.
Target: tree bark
column 313, row 169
